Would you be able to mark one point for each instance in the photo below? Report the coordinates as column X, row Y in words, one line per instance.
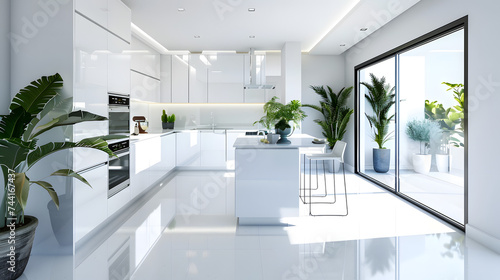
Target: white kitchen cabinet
column 144, row 88
column 96, row 10
column 139, row 164
column 213, row 148
column 154, row 153
column 226, row 79
column 230, row 139
column 180, row 78
column 90, row 88
column 166, row 78
column 145, row 59
column 188, row 148
column 118, row 65
column 90, row 203
column 168, row 143
column 198, row 67
column 117, row 201
column 119, row 18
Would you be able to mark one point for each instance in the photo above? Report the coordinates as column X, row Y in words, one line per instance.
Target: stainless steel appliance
column 119, row 166
column 119, row 114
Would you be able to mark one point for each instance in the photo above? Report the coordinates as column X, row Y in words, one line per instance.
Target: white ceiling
column 228, row 25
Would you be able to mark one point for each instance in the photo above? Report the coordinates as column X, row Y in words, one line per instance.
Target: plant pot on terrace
column 422, row 131
column 381, row 98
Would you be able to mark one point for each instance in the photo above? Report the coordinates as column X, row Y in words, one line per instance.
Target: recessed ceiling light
column 181, row 9
column 197, row 36
column 251, row 9
column 363, row 29
column 342, row 45
column 251, row 37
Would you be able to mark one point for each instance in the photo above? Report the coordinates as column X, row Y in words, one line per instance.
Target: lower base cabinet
column 213, row 148
column 90, row 203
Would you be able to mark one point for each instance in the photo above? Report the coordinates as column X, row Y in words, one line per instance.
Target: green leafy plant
column 19, row 149
column 335, row 113
column 459, row 96
column 423, row 131
column 166, row 118
column 381, row 98
column 275, row 112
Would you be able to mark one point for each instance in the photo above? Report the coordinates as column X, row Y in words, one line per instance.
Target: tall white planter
column 422, row 163
column 443, row 162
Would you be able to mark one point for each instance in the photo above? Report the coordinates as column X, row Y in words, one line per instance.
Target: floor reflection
column 187, row 232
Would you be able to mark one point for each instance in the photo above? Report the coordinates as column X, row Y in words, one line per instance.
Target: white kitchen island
column 267, row 179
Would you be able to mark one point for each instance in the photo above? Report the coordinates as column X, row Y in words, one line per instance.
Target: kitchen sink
column 209, row 128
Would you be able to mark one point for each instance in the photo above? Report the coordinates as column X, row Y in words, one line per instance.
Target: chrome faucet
column 263, row 132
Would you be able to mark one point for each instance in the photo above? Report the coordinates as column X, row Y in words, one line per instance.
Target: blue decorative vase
column 381, row 160
column 283, row 135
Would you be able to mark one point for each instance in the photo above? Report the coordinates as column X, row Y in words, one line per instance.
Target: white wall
column 5, row 92
column 483, row 93
column 320, row 70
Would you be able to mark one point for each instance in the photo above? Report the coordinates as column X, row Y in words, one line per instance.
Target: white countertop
column 298, row 141
column 161, row 132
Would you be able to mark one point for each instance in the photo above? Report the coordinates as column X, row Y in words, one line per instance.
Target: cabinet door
column 231, row 138
column 180, row 72
column 213, row 148
column 154, row 153
column 226, row 79
column 90, row 87
column 145, row 59
column 188, row 148
column 168, row 152
column 166, row 79
column 119, row 18
column 118, row 65
column 96, row 10
column 144, row 88
column 198, row 67
column 139, row 164
column 90, row 203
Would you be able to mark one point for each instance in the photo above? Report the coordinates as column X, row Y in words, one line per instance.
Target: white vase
column 422, row 163
column 443, row 163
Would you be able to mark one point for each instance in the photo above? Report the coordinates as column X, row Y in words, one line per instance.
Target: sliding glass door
column 425, row 127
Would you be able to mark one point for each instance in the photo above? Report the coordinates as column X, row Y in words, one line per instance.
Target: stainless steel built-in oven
column 119, row 166
column 119, row 114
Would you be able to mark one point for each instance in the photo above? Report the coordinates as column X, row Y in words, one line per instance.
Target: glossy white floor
column 381, row 238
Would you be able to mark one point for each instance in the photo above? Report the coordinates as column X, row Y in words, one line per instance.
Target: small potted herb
column 167, row 122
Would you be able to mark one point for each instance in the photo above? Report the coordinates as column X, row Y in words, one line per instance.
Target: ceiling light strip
column 344, row 14
column 148, row 39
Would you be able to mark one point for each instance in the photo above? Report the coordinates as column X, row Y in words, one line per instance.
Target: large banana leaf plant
column 19, row 149
column 381, row 98
column 335, row 113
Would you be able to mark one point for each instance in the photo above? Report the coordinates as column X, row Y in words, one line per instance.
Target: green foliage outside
column 381, row 98
column 423, row 131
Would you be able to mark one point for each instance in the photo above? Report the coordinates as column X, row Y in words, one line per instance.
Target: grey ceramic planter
column 24, row 236
column 381, row 160
column 167, row 125
column 284, row 134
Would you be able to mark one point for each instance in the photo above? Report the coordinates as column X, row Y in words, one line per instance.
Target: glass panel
column 431, row 119
column 375, row 125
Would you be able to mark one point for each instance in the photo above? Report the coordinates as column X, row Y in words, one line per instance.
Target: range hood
column 256, row 72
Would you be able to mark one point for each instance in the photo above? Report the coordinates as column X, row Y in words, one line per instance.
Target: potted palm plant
column 422, row 131
column 335, row 113
column 381, row 98
column 280, row 116
column 20, row 151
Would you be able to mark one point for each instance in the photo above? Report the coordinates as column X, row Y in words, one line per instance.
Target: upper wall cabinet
column 226, row 78
column 118, row 65
column 144, row 59
column 198, row 67
column 119, row 19
column 166, row 79
column 110, row 14
column 144, row 88
column 180, row 78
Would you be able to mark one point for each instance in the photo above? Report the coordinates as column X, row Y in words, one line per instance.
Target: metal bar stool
column 337, row 154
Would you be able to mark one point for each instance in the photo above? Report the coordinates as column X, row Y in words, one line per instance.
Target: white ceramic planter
column 422, row 163
column 443, row 163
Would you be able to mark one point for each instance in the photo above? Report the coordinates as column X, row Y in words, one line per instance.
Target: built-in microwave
column 119, row 114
